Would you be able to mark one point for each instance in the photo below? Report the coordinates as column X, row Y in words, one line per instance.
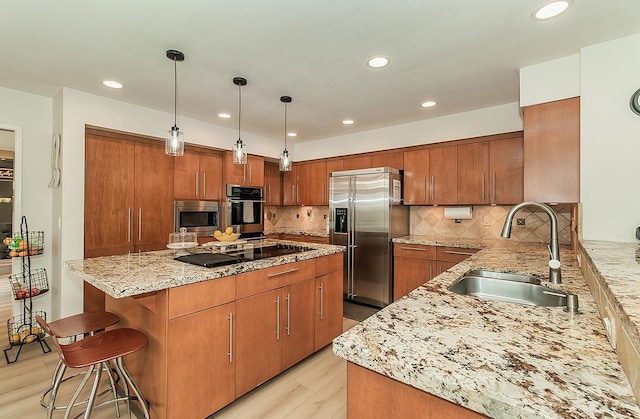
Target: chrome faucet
column 555, row 276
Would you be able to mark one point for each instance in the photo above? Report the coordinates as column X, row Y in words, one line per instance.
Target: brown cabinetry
column 362, row 162
column 328, row 299
column 198, row 176
column 395, row 160
column 249, row 174
column 272, row 185
column 552, row 151
column 295, row 185
column 490, row 172
column 443, row 170
column 416, row 173
column 415, row 264
column 128, row 195
column 318, row 183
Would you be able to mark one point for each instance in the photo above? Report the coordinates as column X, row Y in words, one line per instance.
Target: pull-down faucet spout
column 555, row 275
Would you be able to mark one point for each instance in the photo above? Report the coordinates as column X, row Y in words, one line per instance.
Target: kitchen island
column 217, row 333
column 437, row 351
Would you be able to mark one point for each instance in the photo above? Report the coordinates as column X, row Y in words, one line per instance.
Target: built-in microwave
column 201, row 217
column 244, row 210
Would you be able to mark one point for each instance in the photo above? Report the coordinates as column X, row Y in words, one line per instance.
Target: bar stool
column 70, row 327
column 91, row 352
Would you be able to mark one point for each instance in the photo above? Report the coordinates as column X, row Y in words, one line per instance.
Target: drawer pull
column 451, row 252
column 422, row 249
column 283, row 272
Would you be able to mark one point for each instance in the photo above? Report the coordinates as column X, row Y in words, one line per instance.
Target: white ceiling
column 465, row 54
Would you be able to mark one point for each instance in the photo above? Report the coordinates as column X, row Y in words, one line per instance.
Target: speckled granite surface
column 499, row 359
column 133, row 274
column 298, row 232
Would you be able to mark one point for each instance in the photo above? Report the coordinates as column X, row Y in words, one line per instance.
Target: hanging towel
column 247, row 212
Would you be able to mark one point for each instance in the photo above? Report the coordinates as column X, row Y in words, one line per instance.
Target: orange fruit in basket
column 23, row 245
column 7, row 241
column 14, row 339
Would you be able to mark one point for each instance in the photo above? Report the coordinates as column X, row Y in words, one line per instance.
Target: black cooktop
column 212, row 260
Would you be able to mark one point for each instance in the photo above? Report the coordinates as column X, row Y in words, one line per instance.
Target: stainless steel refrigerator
column 366, row 212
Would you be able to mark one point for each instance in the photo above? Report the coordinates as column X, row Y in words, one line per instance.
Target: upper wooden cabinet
column 490, row 172
column 416, row 173
column 318, row 183
column 198, row 176
column 395, row 160
column 362, row 162
column 552, row 151
column 296, row 185
column 249, row 174
column 272, row 185
column 128, row 194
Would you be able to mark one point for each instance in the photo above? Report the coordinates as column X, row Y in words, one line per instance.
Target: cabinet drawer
column 414, row 251
column 454, row 254
column 327, row 264
column 202, row 295
column 255, row 282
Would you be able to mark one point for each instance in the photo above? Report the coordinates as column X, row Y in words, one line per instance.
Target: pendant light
column 285, row 160
column 174, row 140
column 239, row 149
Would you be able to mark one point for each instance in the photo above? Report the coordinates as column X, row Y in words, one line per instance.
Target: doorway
column 7, row 195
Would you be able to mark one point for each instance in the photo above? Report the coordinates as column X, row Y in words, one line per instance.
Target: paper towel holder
column 458, row 213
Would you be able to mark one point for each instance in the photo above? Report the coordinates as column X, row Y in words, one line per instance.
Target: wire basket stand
column 23, row 329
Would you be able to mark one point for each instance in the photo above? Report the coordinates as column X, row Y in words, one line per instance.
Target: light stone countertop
column 138, row 273
column 502, row 360
column 311, row 233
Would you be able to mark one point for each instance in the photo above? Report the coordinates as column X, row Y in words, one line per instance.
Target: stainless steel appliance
column 244, row 210
column 212, row 260
column 365, row 214
column 200, row 217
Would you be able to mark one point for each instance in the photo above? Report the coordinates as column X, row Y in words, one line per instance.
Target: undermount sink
column 511, row 288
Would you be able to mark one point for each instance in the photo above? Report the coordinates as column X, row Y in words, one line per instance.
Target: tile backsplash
column 486, row 222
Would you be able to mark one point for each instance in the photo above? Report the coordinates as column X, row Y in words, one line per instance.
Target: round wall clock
column 634, row 104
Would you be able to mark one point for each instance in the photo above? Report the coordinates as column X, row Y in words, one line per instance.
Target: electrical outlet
column 297, row 215
column 520, row 221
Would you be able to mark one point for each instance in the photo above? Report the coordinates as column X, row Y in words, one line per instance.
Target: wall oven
column 244, row 210
column 201, row 217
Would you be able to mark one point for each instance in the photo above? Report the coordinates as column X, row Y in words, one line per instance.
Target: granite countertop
column 502, row 360
column 138, row 273
column 312, row 233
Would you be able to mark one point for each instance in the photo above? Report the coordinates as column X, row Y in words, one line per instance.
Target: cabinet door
column 363, row 162
column 410, row 273
column 297, row 318
column 416, row 172
column 552, row 151
column 254, row 173
column 108, row 196
column 185, row 176
column 506, row 171
column 153, row 218
column 473, row 173
column 258, row 340
column 233, row 173
column 318, row 184
column 329, row 308
column 289, row 183
column 443, row 169
column 395, row 160
column 202, row 345
column 272, row 185
column 303, row 184
column 210, row 176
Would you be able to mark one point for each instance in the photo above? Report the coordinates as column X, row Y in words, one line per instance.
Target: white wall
column 610, row 140
column 549, row 81
column 78, row 109
column 30, row 116
column 487, row 121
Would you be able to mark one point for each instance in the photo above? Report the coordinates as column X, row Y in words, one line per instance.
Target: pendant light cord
column 175, row 92
column 239, row 108
column 285, row 125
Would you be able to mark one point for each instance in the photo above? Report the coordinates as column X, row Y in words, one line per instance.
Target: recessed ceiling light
column 551, row 9
column 112, row 84
column 428, row 104
column 224, row 115
column 292, row 134
column 348, row 122
column 378, row 62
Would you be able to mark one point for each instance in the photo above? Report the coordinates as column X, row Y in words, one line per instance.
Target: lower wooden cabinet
column 297, row 322
column 329, row 308
column 415, row 264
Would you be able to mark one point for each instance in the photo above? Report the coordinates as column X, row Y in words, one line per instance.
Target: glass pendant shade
column 174, row 142
column 239, row 152
column 285, row 161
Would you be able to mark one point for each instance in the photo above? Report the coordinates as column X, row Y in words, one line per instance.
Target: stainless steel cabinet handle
column 451, row 252
column 293, row 193
column 483, row 186
column 128, row 224
column 297, row 194
column 277, row 318
column 197, row 174
column 494, row 186
column 430, row 272
column 230, row 338
column 250, row 172
column 204, row 183
column 433, row 188
column 424, row 189
column 321, row 301
column 288, row 314
column 439, row 269
column 269, row 192
column 139, row 224
column 421, row 249
column 283, row 272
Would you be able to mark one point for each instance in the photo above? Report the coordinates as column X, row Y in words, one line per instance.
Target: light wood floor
column 315, row 388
